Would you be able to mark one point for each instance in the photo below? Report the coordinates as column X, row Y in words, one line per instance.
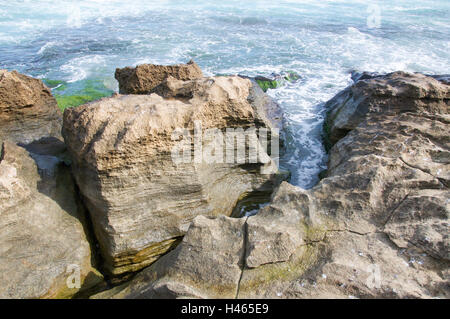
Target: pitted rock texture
column 212, row 251
column 28, row 111
column 43, row 243
column 145, row 77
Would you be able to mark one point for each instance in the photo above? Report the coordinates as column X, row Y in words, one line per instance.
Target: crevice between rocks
column 97, row 136
column 243, row 258
column 441, row 181
column 346, row 230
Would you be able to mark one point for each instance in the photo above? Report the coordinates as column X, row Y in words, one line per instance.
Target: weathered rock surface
column 379, row 220
column 394, row 93
column 43, row 244
column 28, row 110
column 141, row 200
column 145, row 77
column 213, row 246
column 377, row 226
column 267, row 113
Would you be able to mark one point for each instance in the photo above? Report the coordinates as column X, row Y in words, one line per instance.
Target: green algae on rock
column 44, row 240
column 75, row 94
column 133, row 156
column 276, row 80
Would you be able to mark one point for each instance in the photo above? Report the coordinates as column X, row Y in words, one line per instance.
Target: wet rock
column 356, row 76
column 275, row 80
column 445, row 78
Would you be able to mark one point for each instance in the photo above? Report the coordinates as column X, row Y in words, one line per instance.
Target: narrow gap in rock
column 243, row 258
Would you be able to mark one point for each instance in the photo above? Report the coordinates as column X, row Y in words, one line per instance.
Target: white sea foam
column 80, row 68
column 320, row 40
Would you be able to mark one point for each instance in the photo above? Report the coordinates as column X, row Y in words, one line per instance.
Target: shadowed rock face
column 28, row 110
column 145, row 77
column 375, row 226
column 42, row 238
column 42, row 226
column 140, row 200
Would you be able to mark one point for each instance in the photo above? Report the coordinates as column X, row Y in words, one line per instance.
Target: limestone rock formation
column 145, row 77
column 28, row 111
column 43, row 244
column 376, row 226
column 140, row 199
column 380, row 217
column 394, row 93
column 212, row 251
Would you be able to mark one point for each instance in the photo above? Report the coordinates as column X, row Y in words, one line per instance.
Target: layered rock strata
column 145, row 77
column 376, row 226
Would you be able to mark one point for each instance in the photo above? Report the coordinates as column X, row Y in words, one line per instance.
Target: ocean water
column 76, row 46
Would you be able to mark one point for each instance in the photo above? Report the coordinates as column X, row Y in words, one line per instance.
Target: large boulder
column 142, row 201
column 145, row 77
column 28, row 111
column 44, row 249
column 393, row 93
column 380, row 216
column 375, row 227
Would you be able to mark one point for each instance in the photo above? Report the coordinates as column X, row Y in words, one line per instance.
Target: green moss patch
column 77, row 93
column 267, row 84
column 277, row 80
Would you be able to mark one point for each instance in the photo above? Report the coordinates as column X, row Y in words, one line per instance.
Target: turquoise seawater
column 76, row 46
